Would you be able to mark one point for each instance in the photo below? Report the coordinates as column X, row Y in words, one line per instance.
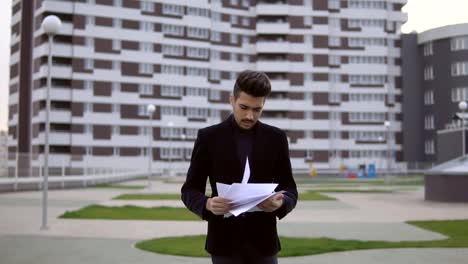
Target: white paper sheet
column 245, row 197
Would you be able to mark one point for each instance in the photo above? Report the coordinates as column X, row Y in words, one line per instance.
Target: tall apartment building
column 334, row 67
column 435, row 80
column 3, row 154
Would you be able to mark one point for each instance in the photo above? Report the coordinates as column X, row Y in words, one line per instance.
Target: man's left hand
column 272, row 203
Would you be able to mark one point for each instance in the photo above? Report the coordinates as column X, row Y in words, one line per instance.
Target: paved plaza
column 362, row 216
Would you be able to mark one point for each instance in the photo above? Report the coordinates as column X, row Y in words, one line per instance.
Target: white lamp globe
column 51, row 24
column 462, row 105
column 151, row 108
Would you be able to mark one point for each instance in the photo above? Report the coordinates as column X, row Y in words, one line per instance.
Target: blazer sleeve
column 193, row 190
column 285, row 179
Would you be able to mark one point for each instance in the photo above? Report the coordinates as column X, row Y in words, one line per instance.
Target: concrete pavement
column 353, row 216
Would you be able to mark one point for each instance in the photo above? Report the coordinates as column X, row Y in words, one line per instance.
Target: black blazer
column 214, row 156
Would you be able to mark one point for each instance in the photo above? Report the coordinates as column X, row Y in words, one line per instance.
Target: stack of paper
column 245, row 196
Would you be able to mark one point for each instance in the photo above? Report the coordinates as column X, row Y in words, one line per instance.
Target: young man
column 220, row 153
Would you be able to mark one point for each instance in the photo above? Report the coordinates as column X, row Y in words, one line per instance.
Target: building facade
column 334, row 67
column 435, row 80
column 3, row 154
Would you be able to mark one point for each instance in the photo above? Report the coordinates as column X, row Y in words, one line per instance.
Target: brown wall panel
column 102, row 132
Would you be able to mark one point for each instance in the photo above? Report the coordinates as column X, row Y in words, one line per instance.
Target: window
column 366, row 117
column 334, row 60
column 245, row 21
column 429, row 97
column 146, row 26
column 116, row 65
column 116, row 45
column 172, row 69
column 334, row 41
column 173, row 30
column 333, row 4
column 117, row 23
column 194, row 112
column 191, row 133
column 233, row 38
column 216, row 16
column 146, row 68
column 215, row 36
column 215, row 94
column 146, row 89
column 353, row 97
column 429, row 147
column 203, row 72
column 215, row 75
column 428, row 73
column 460, row 68
column 88, row 85
column 359, row 23
column 195, row 91
column 172, row 91
column 115, row 87
column 459, row 43
column 234, row 19
column 459, row 94
column 367, row 79
column 362, row 42
column 146, row 47
column 171, row 132
column 172, row 110
column 147, row 6
column 427, row 49
column 176, row 10
column 367, row 4
column 366, row 60
column 194, row 11
column 143, row 110
column 88, row 64
column 201, row 33
column 89, row 42
column 335, row 98
column 364, row 135
column 201, row 53
column 90, row 21
column 173, row 50
column 429, row 122
column 215, row 55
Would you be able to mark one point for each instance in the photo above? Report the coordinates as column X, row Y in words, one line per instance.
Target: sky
column 422, row 15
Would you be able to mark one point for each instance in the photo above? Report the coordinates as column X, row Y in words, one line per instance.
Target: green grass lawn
column 306, row 196
column 193, row 246
column 131, row 213
column 154, row 196
column 114, row 186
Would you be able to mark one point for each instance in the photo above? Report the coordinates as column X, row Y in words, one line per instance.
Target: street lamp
column 387, row 126
column 170, row 124
column 462, row 106
column 51, row 25
column 381, row 140
column 150, row 108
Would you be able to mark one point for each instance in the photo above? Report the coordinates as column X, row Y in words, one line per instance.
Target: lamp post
column 150, row 108
column 462, row 106
column 387, row 126
column 170, row 124
column 381, row 140
column 51, row 25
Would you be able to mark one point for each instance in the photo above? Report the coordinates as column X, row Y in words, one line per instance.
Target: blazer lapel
column 231, row 152
column 257, row 152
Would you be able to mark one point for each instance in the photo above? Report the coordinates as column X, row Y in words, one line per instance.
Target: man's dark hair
column 253, row 83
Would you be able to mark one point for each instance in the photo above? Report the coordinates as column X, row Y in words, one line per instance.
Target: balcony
column 272, row 9
column 272, row 47
column 273, row 28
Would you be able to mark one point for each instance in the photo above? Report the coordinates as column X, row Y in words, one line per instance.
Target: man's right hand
column 218, row 205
